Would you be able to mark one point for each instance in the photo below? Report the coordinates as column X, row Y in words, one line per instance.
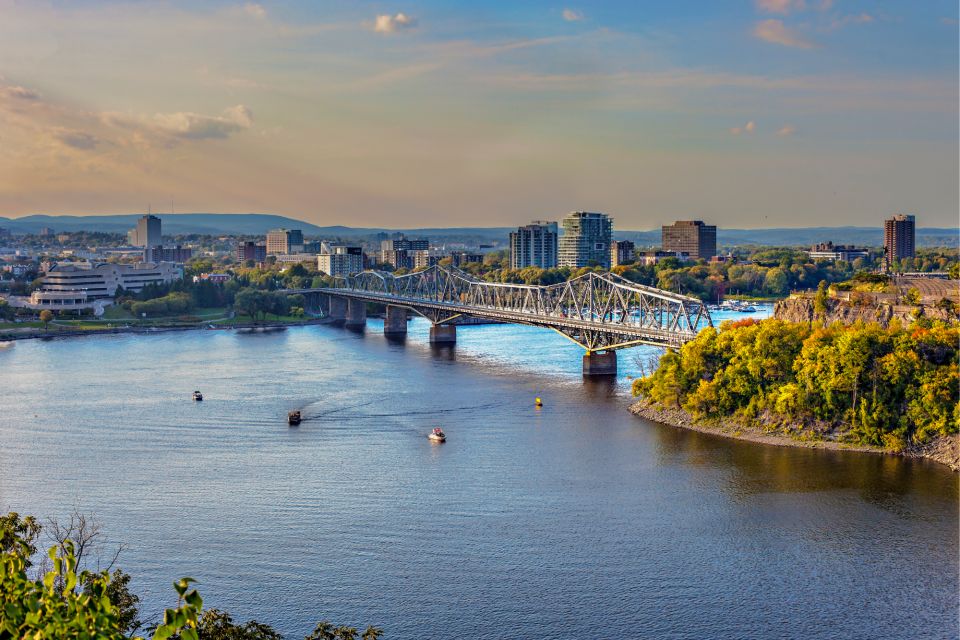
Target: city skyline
column 758, row 114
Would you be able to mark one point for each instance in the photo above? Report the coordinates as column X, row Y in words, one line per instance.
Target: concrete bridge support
column 395, row 321
column 443, row 334
column 600, row 364
column 338, row 309
column 356, row 313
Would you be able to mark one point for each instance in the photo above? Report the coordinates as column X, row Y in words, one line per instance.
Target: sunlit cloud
column 390, row 24
column 20, row 93
column 776, row 32
column 255, row 10
column 786, row 130
column 747, row 128
column 572, row 15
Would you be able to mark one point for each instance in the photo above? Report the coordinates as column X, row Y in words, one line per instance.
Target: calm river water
column 576, row 520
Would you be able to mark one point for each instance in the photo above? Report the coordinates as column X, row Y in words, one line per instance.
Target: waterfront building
column 217, row 278
column 899, row 238
column 284, row 241
column 101, row 280
column 830, row 251
column 167, row 254
column 534, row 245
column 296, row 258
column 461, row 258
column 340, row 260
column 692, row 237
column 251, row 251
column 586, row 240
column 147, row 233
column 622, row 252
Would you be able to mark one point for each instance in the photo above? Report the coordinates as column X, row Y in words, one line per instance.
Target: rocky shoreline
column 945, row 450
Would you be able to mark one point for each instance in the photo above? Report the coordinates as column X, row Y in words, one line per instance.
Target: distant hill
column 260, row 223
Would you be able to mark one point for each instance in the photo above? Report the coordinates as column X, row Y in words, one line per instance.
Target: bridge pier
column 356, row 313
column 443, row 334
column 600, row 364
column 337, row 309
column 395, row 321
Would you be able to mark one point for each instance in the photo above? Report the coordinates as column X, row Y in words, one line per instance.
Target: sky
column 743, row 113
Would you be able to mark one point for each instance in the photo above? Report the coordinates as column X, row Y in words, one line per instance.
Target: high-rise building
column 622, row 252
column 534, row 245
column 284, row 241
column 46, row 231
column 586, row 240
column 147, row 233
column 461, row 258
column 4, row 233
column 340, row 260
column 692, row 237
column 399, row 251
column 251, row 251
column 899, row 238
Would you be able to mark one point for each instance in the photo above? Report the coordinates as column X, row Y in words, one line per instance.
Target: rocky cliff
column 800, row 309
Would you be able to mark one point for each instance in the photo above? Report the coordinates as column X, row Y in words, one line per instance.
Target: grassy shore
column 945, row 449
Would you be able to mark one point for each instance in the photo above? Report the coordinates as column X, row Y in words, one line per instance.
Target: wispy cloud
column 786, row 130
column 77, row 139
column 782, row 7
column 572, row 15
column 776, row 32
column 194, row 126
column 20, row 93
column 747, row 128
column 391, row 24
column 841, row 22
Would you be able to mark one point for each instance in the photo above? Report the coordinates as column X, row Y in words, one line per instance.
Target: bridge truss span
column 597, row 311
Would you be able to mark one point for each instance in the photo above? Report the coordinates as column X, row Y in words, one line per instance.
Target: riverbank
column 64, row 332
column 944, row 450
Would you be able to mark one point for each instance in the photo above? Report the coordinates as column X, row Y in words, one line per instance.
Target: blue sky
column 747, row 113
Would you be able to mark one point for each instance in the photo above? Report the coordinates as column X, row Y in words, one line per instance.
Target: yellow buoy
column 539, row 402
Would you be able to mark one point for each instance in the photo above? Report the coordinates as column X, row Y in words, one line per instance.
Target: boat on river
column 197, row 396
column 293, row 418
column 437, row 435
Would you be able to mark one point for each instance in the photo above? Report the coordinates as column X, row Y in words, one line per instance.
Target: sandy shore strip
column 945, row 450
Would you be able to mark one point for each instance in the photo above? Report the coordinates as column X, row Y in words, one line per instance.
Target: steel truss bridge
column 599, row 312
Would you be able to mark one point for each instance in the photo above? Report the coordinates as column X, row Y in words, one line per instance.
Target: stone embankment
column 800, row 309
column 945, row 450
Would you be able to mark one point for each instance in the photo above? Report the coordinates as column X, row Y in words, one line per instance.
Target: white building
column 101, row 280
column 340, row 260
column 534, row 245
column 586, row 240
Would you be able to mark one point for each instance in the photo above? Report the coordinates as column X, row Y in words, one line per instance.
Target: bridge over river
column 600, row 312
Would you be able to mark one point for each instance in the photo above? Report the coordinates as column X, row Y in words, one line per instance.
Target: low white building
column 340, row 260
column 101, row 280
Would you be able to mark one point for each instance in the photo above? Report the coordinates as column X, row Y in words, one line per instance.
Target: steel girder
column 597, row 311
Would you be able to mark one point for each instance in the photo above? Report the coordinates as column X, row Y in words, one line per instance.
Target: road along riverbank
column 945, row 450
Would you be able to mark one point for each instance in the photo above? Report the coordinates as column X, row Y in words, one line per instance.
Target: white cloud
column 780, row 6
column 839, row 23
column 786, row 130
column 390, row 24
column 572, row 15
column 747, row 128
column 194, row 126
column 776, row 32
column 255, row 10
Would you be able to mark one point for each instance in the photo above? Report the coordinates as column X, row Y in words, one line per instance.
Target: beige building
column 101, row 280
column 692, row 237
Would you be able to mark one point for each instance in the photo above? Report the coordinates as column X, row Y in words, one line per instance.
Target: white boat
column 437, row 435
column 197, row 396
column 6, row 344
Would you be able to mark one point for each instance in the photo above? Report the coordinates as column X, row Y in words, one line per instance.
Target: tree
column 45, row 317
column 820, row 300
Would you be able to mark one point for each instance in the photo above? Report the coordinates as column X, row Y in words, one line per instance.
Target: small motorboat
column 437, row 435
column 293, row 418
column 197, row 396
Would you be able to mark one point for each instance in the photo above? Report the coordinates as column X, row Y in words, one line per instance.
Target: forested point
column 860, row 384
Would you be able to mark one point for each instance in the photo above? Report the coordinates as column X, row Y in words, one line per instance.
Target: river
column 574, row 520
